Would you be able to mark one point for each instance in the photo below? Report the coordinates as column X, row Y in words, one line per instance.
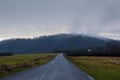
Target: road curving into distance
column 58, row 69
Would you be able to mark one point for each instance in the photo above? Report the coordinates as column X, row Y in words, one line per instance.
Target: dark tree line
column 6, row 54
column 112, row 48
column 66, row 43
column 45, row 44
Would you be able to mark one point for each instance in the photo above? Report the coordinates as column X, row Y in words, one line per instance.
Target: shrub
column 5, row 68
column 24, row 65
column 36, row 59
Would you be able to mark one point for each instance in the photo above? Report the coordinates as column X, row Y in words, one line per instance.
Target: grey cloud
column 112, row 14
column 31, row 18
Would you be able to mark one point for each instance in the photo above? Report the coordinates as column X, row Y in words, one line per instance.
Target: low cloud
column 31, row 18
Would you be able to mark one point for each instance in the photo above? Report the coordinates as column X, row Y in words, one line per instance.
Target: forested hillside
column 59, row 43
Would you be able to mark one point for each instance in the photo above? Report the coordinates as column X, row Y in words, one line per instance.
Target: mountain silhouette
column 51, row 43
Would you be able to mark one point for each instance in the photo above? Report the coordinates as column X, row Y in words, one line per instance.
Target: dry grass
column 100, row 68
column 13, row 64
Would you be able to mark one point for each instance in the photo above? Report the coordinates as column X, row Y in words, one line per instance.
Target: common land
column 100, row 68
column 16, row 63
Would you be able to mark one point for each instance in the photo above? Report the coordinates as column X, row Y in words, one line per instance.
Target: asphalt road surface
column 58, row 69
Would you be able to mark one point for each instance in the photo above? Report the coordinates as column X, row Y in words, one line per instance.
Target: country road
column 58, row 69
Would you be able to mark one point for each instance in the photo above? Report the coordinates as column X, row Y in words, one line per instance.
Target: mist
column 31, row 18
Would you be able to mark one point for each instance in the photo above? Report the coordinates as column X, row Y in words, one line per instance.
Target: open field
column 58, row 69
column 100, row 68
column 13, row 64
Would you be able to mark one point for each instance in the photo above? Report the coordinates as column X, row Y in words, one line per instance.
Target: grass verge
column 16, row 63
column 100, row 68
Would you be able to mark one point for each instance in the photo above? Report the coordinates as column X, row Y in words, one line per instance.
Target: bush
column 36, row 59
column 24, row 65
column 5, row 68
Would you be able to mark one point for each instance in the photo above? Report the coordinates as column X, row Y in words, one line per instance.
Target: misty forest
column 62, row 43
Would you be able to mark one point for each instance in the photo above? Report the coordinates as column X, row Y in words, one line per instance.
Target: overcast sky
column 31, row 18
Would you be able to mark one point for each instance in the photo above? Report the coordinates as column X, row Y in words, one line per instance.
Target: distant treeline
column 66, row 43
column 113, row 54
column 45, row 44
column 6, row 54
column 111, row 49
